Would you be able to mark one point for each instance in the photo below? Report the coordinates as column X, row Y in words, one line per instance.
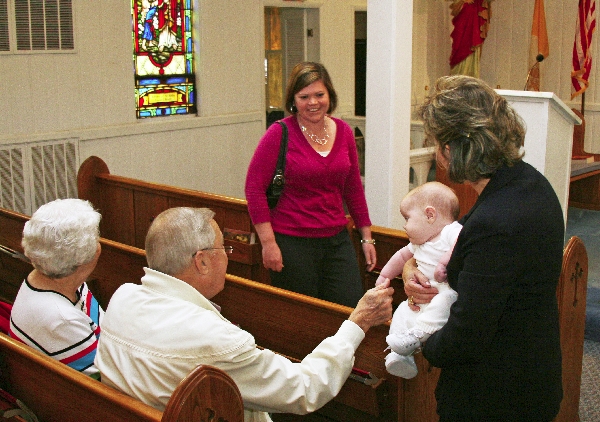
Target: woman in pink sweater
column 304, row 238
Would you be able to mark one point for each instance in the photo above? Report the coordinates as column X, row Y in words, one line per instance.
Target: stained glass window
column 163, row 57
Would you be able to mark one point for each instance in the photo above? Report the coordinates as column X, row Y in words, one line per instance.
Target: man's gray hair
column 61, row 236
column 176, row 235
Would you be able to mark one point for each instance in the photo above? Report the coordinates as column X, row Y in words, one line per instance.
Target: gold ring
column 411, row 301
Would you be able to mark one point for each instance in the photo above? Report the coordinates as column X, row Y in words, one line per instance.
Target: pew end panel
column 571, row 295
column 206, row 394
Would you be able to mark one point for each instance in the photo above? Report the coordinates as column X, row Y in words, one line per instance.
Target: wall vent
column 36, row 25
column 53, row 172
column 13, row 180
column 4, row 41
column 44, row 25
column 35, row 174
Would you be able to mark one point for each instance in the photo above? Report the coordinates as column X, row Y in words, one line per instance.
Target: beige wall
column 88, row 94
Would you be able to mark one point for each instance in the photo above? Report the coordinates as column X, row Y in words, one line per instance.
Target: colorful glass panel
column 163, row 57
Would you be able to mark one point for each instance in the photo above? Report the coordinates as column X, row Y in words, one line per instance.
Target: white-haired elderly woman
column 54, row 311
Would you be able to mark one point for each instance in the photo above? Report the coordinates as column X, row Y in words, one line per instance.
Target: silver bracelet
column 369, row 241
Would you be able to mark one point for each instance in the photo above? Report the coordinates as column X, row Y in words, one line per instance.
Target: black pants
column 325, row 268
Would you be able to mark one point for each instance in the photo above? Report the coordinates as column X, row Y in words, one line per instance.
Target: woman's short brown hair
column 481, row 129
column 304, row 74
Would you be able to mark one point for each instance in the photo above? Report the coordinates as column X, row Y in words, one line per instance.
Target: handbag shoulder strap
column 283, row 147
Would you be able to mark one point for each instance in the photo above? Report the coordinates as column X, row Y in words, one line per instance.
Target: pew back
column 128, row 207
column 294, row 324
column 301, row 322
column 55, row 392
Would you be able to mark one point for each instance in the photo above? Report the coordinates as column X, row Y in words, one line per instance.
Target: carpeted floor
column 586, row 225
column 589, row 402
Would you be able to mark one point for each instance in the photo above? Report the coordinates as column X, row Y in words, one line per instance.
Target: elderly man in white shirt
column 155, row 333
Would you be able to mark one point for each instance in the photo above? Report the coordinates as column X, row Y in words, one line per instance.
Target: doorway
column 291, row 36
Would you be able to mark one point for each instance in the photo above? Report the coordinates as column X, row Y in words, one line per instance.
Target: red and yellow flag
column 582, row 57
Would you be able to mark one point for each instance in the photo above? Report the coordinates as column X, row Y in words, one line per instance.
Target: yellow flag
column 539, row 48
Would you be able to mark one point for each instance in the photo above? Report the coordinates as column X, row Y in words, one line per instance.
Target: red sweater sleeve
column 354, row 194
column 260, row 173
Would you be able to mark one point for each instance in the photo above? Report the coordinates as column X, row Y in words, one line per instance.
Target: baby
column 430, row 211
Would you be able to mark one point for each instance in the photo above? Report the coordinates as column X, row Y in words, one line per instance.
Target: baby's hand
column 380, row 280
column 440, row 274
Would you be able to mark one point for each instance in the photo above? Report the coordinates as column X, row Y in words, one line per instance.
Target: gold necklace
column 314, row 138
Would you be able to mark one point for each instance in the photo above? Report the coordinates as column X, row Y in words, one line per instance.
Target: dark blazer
column 500, row 349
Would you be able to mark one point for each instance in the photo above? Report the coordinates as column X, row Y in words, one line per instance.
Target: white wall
column 89, row 94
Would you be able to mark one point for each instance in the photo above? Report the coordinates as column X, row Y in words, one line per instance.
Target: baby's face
column 418, row 227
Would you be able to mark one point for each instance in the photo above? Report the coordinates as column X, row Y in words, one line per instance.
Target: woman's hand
column 370, row 255
column 416, row 285
column 368, row 248
column 272, row 259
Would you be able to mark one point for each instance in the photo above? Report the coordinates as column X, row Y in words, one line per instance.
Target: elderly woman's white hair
column 61, row 236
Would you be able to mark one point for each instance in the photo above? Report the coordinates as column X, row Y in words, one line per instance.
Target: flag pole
column 582, row 103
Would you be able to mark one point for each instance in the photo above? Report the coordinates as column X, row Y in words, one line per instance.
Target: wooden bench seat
column 293, row 324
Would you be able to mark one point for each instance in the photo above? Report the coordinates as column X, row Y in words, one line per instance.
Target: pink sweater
column 316, row 187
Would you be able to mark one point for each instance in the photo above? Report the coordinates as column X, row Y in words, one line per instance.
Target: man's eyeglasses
column 228, row 250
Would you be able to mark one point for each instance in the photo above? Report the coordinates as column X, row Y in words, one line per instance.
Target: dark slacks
column 325, row 268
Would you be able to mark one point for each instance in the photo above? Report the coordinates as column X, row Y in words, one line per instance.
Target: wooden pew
column 128, row 206
column 300, row 323
column 388, row 242
column 293, row 324
column 55, row 392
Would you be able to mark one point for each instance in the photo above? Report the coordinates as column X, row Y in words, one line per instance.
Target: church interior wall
column 88, row 94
